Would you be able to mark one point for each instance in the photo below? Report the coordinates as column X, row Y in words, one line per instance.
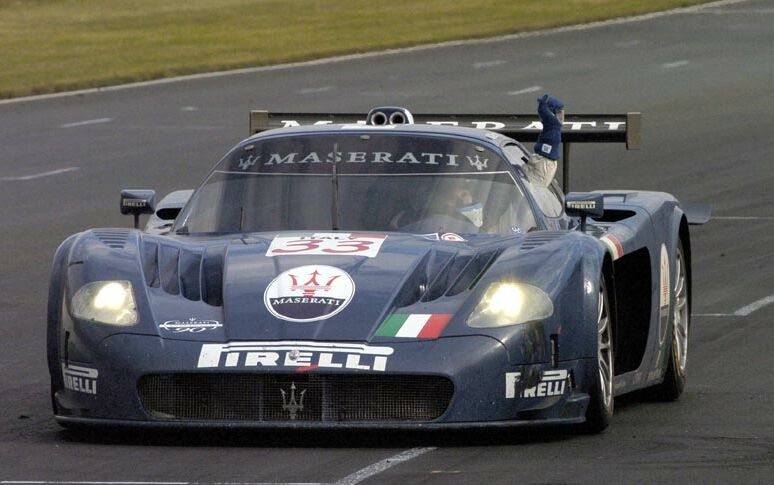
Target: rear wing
column 584, row 128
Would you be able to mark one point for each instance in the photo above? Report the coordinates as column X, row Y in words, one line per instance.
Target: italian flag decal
column 415, row 325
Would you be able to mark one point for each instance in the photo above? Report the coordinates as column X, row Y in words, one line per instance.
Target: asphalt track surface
column 703, row 80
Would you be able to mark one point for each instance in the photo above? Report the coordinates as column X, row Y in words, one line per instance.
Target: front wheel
column 674, row 378
column 600, row 408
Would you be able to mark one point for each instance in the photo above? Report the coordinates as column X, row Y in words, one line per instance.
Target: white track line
column 351, row 479
column 40, row 175
column 531, row 89
column 383, row 465
column 388, row 52
column 321, row 89
column 86, row 122
column 672, row 65
column 742, row 312
column 756, row 305
column 483, row 65
column 744, row 218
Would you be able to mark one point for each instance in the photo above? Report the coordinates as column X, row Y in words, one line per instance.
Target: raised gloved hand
column 550, row 139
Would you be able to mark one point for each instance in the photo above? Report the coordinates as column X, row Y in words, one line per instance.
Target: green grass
column 55, row 45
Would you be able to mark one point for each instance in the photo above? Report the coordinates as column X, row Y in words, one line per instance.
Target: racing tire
column 674, row 377
column 53, row 332
column 601, row 405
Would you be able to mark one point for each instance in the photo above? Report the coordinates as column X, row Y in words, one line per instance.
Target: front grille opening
column 295, row 397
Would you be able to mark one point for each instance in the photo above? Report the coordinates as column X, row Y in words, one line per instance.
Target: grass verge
column 56, row 45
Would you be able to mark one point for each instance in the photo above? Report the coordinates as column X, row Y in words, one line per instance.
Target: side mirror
column 583, row 205
column 167, row 211
column 137, row 202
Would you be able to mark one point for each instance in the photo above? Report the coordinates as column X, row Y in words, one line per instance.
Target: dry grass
column 54, row 45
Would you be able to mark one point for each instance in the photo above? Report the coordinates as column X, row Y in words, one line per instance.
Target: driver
column 458, row 199
column 541, row 167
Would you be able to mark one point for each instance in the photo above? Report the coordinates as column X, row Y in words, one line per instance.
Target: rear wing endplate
column 582, row 128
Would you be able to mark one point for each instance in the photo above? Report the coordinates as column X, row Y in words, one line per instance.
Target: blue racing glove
column 550, row 139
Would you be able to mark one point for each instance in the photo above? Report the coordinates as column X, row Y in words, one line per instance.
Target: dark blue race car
column 383, row 274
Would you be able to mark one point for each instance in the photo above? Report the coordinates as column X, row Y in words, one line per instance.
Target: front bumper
column 102, row 386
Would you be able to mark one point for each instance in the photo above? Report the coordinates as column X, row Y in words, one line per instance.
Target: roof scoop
column 389, row 115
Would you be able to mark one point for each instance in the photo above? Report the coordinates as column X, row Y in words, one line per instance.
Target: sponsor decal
column 485, row 125
column 327, row 244
column 582, row 204
column 552, row 383
column 192, row 325
column 80, row 379
column 134, row 202
column 450, row 236
column 290, row 404
column 447, row 236
column 309, row 293
column 301, row 355
column 664, row 293
column 613, row 245
column 414, row 325
column 410, row 158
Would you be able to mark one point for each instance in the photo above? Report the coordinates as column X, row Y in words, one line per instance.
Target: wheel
column 600, row 408
column 674, row 378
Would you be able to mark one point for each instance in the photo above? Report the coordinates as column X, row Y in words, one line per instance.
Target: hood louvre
column 150, row 264
column 212, row 275
column 169, row 261
column 190, row 272
column 112, row 238
column 537, row 239
column 194, row 273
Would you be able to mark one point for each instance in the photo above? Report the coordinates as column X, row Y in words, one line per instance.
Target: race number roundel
column 309, row 293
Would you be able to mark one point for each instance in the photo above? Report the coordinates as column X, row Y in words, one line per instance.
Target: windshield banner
column 385, row 154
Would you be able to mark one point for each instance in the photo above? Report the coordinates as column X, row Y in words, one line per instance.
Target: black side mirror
column 137, row 202
column 583, row 205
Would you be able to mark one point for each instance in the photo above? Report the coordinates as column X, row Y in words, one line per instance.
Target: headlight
column 110, row 302
column 509, row 303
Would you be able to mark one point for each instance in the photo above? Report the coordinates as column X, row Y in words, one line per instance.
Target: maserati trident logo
column 309, row 293
column 245, row 163
column 478, row 162
column 290, row 404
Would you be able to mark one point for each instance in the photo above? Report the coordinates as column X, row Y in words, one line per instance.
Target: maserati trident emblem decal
column 290, row 404
column 478, row 162
column 309, row 293
column 251, row 160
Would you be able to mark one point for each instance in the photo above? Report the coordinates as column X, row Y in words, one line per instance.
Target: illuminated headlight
column 510, row 304
column 110, row 302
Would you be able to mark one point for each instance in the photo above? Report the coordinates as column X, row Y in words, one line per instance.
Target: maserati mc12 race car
column 396, row 271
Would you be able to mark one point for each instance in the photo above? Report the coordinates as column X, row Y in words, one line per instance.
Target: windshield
column 383, row 182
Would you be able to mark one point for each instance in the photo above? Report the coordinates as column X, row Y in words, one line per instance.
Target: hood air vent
column 537, row 239
column 196, row 274
column 112, row 238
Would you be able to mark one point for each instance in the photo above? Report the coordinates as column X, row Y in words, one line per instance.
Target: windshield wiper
column 335, row 182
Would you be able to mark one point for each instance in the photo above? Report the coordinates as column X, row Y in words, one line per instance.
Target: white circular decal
column 309, row 293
